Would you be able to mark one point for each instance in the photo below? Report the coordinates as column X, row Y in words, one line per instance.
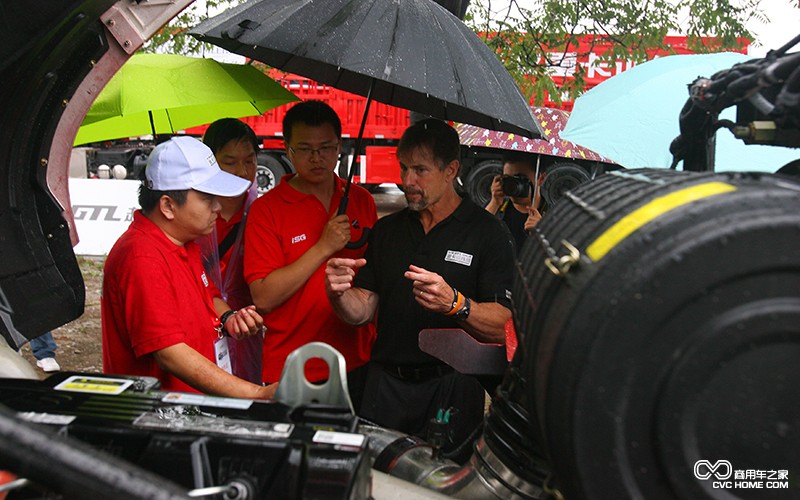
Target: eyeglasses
column 324, row 151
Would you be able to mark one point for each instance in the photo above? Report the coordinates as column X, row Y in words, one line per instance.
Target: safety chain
column 553, row 492
column 586, row 207
column 559, row 266
column 544, row 243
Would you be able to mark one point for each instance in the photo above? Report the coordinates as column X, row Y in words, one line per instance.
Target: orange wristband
column 456, row 305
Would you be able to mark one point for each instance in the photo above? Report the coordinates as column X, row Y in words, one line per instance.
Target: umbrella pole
column 356, row 152
column 346, row 195
column 152, row 125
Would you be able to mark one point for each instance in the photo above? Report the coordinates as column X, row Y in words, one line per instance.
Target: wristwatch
column 463, row 313
column 224, row 318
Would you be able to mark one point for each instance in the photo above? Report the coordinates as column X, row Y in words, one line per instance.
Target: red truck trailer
column 385, row 125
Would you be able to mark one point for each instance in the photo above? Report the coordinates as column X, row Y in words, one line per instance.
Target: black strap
column 227, row 243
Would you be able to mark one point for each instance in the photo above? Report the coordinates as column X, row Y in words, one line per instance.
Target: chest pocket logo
column 462, row 258
column 298, row 239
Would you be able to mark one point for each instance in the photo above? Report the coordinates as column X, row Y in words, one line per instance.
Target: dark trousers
column 356, row 381
column 408, row 406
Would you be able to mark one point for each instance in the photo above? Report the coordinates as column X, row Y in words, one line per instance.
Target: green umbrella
column 165, row 93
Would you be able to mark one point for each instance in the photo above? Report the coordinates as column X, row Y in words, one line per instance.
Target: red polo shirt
column 155, row 295
column 282, row 226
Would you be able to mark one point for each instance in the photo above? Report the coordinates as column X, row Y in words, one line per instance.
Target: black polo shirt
column 470, row 249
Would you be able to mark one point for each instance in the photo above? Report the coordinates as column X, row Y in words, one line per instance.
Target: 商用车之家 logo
column 721, row 472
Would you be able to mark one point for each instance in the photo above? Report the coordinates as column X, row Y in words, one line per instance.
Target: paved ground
column 79, row 344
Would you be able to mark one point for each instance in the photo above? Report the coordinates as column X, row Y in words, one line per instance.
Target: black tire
column 562, row 177
column 269, row 172
column 668, row 342
column 479, row 181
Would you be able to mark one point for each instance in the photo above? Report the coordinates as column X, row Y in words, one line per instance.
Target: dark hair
column 520, row 157
column 148, row 198
column 225, row 130
column 312, row 113
column 435, row 135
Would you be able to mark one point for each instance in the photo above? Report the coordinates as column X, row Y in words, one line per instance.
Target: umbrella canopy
column 165, row 93
column 633, row 117
column 552, row 122
column 411, row 54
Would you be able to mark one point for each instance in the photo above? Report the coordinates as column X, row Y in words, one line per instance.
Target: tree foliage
column 533, row 38
column 173, row 38
column 532, row 42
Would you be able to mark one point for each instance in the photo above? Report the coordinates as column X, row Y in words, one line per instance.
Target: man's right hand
column 339, row 275
column 267, row 391
column 355, row 306
column 335, row 234
column 497, row 195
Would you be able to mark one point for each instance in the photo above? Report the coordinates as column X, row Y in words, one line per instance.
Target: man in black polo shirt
column 443, row 262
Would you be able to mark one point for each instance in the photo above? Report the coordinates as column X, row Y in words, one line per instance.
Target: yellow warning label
column 642, row 215
column 98, row 385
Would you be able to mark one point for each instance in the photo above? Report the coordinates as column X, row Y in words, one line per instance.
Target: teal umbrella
column 165, row 93
column 632, row 117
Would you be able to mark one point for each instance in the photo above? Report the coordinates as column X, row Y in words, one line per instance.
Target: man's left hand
column 245, row 323
column 430, row 290
column 534, row 216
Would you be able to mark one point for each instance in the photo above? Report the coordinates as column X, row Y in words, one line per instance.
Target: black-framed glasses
column 323, row 151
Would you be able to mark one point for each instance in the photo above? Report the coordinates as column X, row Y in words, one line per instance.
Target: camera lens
column 517, row 186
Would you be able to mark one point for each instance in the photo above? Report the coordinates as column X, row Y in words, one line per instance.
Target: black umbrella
column 411, row 54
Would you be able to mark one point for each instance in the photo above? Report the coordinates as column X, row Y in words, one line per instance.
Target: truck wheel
column 479, row 181
column 562, row 177
column 269, row 172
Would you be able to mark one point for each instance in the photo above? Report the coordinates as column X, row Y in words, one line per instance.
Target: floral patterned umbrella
column 552, row 122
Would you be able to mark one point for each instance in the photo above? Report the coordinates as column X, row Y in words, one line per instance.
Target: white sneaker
column 48, row 365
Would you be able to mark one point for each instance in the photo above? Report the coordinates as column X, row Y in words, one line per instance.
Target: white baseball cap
column 186, row 163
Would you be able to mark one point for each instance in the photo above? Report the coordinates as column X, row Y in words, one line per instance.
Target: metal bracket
column 133, row 23
column 295, row 390
column 560, row 266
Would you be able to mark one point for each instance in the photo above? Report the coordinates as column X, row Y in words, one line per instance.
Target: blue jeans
column 44, row 346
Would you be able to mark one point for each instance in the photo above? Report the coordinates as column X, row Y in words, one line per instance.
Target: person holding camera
column 516, row 195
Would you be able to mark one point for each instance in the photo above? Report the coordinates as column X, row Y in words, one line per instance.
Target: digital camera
column 517, row 186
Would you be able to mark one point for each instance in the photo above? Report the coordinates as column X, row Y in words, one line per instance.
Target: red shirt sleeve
column 262, row 247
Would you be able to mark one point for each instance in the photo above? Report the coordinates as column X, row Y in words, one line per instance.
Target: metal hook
column 560, row 266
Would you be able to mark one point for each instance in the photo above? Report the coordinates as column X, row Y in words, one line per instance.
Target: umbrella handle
column 361, row 241
column 346, row 195
column 342, row 209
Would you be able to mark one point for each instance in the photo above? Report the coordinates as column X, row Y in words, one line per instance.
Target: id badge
column 222, row 354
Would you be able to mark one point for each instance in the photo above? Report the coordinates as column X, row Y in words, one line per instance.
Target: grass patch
column 91, row 266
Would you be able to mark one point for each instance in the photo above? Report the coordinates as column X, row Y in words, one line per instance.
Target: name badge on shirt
column 222, row 355
column 462, row 258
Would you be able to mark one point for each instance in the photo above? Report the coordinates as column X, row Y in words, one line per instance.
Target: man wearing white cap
column 161, row 315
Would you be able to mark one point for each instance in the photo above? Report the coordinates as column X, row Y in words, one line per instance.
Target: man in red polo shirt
column 161, row 316
column 291, row 232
